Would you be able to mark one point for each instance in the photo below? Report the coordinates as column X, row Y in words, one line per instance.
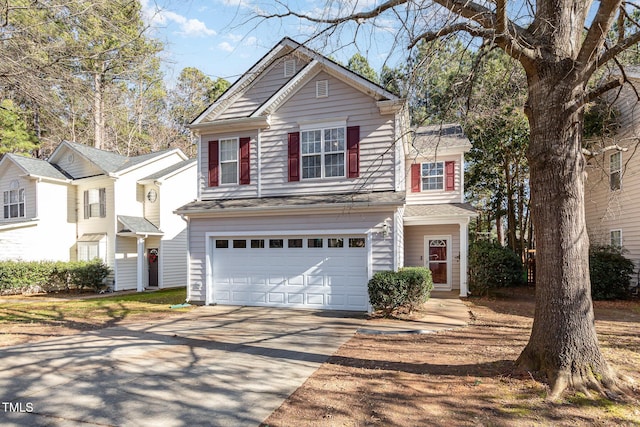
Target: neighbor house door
column 152, row 257
column 438, row 260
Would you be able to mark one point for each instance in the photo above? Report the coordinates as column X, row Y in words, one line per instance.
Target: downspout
column 186, row 219
column 259, row 163
column 141, row 259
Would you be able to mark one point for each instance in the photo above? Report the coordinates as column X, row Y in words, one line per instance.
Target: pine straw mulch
column 463, row 377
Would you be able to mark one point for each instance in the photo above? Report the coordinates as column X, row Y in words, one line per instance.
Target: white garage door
column 328, row 272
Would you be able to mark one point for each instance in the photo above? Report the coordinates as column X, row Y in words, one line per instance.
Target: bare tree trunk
column 563, row 342
column 98, row 115
column 499, row 234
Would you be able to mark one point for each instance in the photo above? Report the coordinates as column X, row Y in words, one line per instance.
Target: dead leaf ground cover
column 464, row 377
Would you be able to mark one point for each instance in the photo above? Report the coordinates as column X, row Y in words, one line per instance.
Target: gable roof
column 137, row 225
column 36, row 167
column 168, row 172
column 110, row 162
column 316, row 63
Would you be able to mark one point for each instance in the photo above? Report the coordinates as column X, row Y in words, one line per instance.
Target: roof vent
column 322, row 88
column 289, row 67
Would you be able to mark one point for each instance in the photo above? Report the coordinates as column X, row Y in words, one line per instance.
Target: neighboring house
column 302, row 194
column 612, row 190
column 84, row 203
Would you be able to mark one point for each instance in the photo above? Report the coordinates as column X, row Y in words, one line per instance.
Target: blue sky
column 220, row 38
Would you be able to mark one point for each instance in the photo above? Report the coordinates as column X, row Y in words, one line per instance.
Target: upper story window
column 323, row 153
column 229, row 161
column 95, row 203
column 615, row 171
column 432, row 176
column 14, row 203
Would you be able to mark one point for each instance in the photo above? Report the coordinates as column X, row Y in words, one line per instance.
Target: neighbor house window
column 95, row 203
column 229, row 161
column 615, row 171
column 433, row 176
column 14, row 203
column 88, row 251
column 323, row 153
column 616, row 238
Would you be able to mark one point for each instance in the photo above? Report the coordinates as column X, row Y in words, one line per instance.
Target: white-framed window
column 14, row 203
column 323, row 153
column 616, row 238
column 229, row 161
column 615, row 171
column 88, row 251
column 95, row 203
column 432, row 176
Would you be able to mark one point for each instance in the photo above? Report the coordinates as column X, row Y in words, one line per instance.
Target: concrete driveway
column 216, row 366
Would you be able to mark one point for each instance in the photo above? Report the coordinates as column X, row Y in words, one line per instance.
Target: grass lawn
column 29, row 318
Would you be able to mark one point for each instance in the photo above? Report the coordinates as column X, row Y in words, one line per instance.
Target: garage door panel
column 326, row 277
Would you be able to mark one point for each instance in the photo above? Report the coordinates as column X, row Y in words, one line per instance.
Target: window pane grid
column 14, row 204
column 323, row 153
column 433, row 176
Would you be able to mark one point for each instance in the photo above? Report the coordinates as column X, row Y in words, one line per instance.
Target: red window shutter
column 416, row 177
column 353, row 151
column 294, row 156
column 450, row 175
column 213, row 163
column 245, row 161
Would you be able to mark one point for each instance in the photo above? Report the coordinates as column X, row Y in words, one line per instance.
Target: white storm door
column 438, row 259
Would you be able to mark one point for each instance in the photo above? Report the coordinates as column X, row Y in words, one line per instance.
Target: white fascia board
column 289, row 89
column 278, row 210
column 151, row 160
column 21, row 224
column 241, row 85
column 228, row 125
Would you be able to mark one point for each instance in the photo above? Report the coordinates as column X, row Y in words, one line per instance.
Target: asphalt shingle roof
column 112, row 162
column 438, row 137
column 315, row 200
column 169, row 170
column 444, row 209
column 137, row 225
column 37, row 167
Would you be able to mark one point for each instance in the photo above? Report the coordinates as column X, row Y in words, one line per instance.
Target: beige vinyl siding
column 14, row 173
column 376, row 139
column 226, row 191
column 75, row 165
column 261, row 90
column 126, row 263
column 435, row 196
column 152, row 209
column 382, row 249
column 52, row 236
column 414, row 246
column 608, row 210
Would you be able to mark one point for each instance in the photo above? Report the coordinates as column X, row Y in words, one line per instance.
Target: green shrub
column 409, row 287
column 610, row 273
column 418, row 283
column 48, row 276
column 493, row 266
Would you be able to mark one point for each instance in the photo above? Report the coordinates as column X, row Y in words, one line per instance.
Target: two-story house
column 302, row 194
column 612, row 189
column 84, row 203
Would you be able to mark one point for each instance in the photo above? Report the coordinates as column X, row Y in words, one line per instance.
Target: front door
column 438, row 260
column 152, row 257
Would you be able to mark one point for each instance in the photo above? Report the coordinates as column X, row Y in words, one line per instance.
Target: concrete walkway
column 444, row 311
column 217, row 366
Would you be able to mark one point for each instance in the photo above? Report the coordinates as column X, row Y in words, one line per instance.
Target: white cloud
column 187, row 27
column 226, row 47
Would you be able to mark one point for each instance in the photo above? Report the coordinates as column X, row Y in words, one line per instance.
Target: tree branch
column 603, row 150
column 595, row 93
column 621, row 46
column 597, row 33
column 454, row 28
column 361, row 16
